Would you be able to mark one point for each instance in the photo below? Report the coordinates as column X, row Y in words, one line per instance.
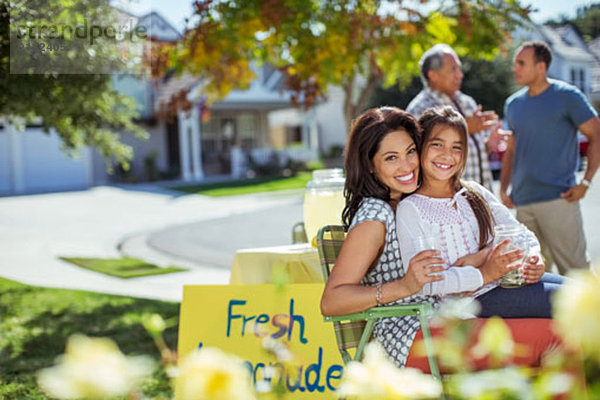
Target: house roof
column 172, row 88
column 158, row 27
column 566, row 42
column 266, row 91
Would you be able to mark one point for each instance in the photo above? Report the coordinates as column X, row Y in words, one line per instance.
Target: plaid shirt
column 478, row 167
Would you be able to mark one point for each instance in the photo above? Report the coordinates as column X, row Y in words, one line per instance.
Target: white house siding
column 5, row 163
column 32, row 161
column 156, row 143
column 330, row 117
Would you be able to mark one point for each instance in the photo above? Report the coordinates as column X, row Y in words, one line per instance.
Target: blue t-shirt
column 545, row 133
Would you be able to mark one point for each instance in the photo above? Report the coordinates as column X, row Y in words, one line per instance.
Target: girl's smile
column 442, row 159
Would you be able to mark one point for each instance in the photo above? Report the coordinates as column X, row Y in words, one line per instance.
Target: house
column 572, row 60
column 594, row 47
column 258, row 124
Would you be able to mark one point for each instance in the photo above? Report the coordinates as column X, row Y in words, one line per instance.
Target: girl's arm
column 502, row 215
column 474, row 259
column 534, row 266
column 344, row 293
column 455, row 279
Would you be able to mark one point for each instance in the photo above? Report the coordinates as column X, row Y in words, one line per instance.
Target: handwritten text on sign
column 235, row 318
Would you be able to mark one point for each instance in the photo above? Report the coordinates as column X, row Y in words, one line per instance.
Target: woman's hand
column 497, row 263
column 476, row 259
column 420, row 270
column 533, row 269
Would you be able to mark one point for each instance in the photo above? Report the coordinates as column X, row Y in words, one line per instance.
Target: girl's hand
column 497, row 263
column 533, row 269
column 475, row 259
column 420, row 270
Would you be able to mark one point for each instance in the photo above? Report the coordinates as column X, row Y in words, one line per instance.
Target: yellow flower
column 378, row 378
column 93, row 368
column 495, row 340
column 576, row 312
column 210, row 374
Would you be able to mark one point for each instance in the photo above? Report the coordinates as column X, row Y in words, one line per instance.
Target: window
column 247, row 130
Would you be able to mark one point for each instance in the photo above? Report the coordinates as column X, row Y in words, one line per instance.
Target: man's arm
column 481, row 121
column 506, row 172
column 591, row 130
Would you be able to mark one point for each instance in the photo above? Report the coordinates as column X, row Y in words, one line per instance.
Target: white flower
column 576, row 312
column 458, row 308
column 93, row 368
column 377, row 378
column 492, row 383
column 210, row 374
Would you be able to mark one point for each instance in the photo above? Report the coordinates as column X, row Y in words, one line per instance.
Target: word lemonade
column 241, row 319
column 309, row 377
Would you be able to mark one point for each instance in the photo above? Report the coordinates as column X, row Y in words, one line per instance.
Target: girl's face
column 443, row 154
column 396, row 163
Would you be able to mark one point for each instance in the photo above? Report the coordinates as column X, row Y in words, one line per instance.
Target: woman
column 382, row 165
column 463, row 215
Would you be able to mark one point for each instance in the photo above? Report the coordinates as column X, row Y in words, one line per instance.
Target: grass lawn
column 248, row 186
column 36, row 322
column 121, row 267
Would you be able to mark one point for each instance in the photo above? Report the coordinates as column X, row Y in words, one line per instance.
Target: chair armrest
column 383, row 312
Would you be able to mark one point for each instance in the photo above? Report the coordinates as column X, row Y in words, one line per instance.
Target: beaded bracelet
column 379, row 293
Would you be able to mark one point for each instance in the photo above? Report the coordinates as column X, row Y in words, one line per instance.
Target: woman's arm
column 344, row 293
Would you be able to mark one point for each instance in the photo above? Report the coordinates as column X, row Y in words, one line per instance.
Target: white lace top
column 458, row 231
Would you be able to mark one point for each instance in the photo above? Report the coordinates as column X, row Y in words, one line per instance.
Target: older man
column 442, row 77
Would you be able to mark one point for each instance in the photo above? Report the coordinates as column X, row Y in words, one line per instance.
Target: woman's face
column 443, row 154
column 396, row 163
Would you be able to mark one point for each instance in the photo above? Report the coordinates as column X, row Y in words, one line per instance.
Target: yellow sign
column 239, row 319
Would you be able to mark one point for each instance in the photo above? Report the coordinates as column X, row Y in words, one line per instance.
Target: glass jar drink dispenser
column 323, row 200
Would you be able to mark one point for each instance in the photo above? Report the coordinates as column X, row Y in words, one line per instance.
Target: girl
column 382, row 165
column 462, row 215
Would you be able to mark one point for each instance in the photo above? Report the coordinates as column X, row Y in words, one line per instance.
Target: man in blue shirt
column 542, row 157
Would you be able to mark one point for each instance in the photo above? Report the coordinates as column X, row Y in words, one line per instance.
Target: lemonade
column 322, row 208
column 323, row 200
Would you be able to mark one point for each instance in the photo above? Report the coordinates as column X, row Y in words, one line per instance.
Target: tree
column 82, row 107
column 354, row 44
column 490, row 82
column 587, row 21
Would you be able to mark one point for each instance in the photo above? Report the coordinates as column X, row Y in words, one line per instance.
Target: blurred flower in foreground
column 508, row 383
column 210, row 374
column 457, row 308
column 378, row 378
column 93, row 368
column 496, row 341
column 576, row 313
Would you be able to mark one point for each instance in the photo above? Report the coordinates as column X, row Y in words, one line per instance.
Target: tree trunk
column 353, row 108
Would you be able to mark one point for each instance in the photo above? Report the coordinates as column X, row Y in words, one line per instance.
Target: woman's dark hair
column 448, row 117
column 368, row 130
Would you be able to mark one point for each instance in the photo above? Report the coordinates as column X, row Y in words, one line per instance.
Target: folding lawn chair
column 353, row 331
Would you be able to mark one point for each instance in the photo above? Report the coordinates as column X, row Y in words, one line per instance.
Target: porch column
column 310, row 132
column 16, row 152
column 196, row 132
column 184, row 146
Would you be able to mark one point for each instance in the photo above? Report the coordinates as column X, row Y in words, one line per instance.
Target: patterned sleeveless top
column 395, row 334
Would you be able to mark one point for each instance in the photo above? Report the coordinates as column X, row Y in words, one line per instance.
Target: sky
column 175, row 11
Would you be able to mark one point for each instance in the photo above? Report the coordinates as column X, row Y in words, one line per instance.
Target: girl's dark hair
column 366, row 134
column 448, row 117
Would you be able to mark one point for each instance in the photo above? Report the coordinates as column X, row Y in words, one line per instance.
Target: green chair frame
column 355, row 330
